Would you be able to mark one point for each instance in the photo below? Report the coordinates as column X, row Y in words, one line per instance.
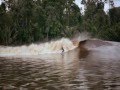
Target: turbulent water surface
column 36, row 49
column 95, row 65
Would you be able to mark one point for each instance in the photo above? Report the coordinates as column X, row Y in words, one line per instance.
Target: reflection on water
column 75, row 70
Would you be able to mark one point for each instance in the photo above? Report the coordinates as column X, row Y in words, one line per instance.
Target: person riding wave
column 62, row 49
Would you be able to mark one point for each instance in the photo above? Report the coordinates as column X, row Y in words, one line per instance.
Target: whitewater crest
column 59, row 46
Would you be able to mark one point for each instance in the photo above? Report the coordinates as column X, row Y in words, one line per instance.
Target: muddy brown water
column 95, row 65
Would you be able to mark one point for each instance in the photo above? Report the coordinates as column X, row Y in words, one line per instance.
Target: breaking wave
column 59, row 46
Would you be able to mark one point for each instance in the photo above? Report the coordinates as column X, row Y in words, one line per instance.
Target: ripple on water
column 68, row 71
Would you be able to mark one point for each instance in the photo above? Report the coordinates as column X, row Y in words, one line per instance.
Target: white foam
column 36, row 49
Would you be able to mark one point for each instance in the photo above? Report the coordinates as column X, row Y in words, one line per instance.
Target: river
column 95, row 65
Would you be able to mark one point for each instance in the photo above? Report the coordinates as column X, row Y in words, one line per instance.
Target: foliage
column 26, row 21
column 101, row 24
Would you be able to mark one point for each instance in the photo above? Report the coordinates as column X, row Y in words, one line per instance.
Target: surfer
column 62, row 49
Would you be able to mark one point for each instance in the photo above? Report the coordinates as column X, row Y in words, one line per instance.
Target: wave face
column 59, row 46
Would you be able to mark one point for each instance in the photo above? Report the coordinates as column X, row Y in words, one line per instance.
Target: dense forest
column 26, row 21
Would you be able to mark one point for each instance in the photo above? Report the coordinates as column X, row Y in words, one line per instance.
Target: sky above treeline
column 116, row 3
column 78, row 2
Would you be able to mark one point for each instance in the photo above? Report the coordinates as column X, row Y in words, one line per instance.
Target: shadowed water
column 79, row 69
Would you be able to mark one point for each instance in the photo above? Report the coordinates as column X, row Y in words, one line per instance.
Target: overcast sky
column 116, row 3
column 78, row 2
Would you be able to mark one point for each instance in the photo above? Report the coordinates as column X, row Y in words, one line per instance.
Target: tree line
column 26, row 21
